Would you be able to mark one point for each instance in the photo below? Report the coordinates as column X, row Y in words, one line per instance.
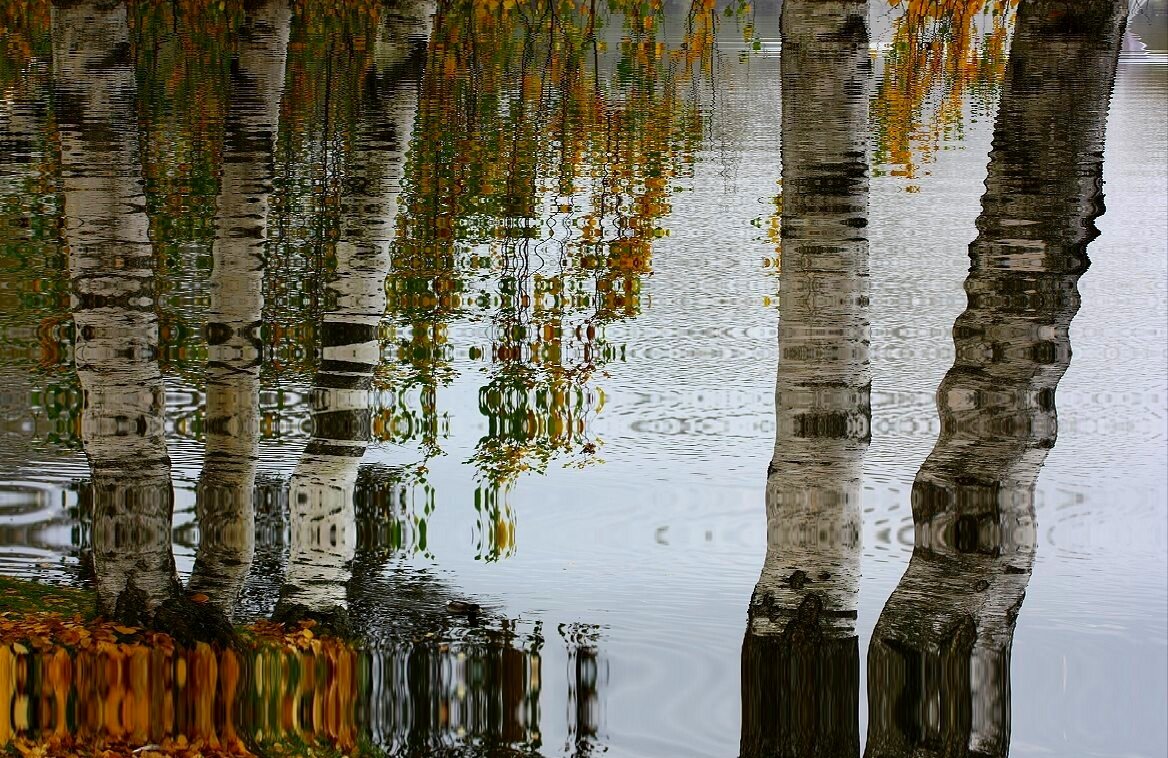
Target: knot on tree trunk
column 805, row 629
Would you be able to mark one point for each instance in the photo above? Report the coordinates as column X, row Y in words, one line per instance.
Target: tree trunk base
column 333, row 622
column 180, row 617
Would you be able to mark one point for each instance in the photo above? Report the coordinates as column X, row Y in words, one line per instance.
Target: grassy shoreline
column 30, row 596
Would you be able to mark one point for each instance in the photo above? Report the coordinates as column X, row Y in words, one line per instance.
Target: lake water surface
column 655, row 380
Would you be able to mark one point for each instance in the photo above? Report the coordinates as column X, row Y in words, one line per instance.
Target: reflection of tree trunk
column 800, row 659
column 225, row 507
column 322, row 515
column 111, row 267
column 940, row 655
column 585, row 708
column 483, row 691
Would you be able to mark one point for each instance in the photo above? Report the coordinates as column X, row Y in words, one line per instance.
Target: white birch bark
column 321, row 505
column 800, row 661
column 822, row 406
column 224, row 504
column 111, row 268
column 939, row 664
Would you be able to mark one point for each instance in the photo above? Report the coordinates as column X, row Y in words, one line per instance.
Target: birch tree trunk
column 321, row 499
column 224, row 503
column 939, row 664
column 800, row 656
column 111, row 267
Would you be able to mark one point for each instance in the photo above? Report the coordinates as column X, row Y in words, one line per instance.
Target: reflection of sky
column 662, row 544
column 1147, row 29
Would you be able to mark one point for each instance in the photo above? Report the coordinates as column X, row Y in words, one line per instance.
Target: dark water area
column 638, row 378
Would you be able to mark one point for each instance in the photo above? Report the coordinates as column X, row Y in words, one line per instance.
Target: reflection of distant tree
column 443, row 682
column 939, row 665
column 587, row 675
column 800, row 655
column 480, row 693
column 234, row 353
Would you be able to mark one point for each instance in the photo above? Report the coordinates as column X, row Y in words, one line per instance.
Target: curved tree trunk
column 800, row 656
column 939, row 678
column 111, row 265
column 235, row 352
column 321, row 504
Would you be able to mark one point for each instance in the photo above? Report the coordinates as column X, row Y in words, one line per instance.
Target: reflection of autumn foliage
column 773, row 236
column 536, row 188
column 495, row 530
column 182, row 54
column 78, row 686
column 392, row 507
column 942, row 52
column 73, row 687
column 36, row 333
column 24, row 36
column 540, row 180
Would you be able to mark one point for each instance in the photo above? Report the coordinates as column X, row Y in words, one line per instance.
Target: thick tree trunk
column 111, row 268
column 940, row 656
column 235, row 352
column 800, row 657
column 322, row 514
column 111, row 265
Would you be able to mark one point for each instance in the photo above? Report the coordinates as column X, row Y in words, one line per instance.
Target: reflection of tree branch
column 474, row 198
column 937, row 55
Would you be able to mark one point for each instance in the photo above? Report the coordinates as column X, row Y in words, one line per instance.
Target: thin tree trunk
column 224, row 503
column 939, row 664
column 111, row 266
column 800, row 656
column 321, row 499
